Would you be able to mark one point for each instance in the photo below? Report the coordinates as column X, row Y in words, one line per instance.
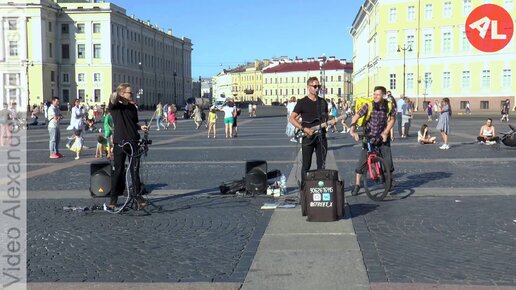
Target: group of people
column 8, row 115
column 165, row 116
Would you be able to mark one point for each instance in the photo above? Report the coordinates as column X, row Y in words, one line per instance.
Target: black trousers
column 482, row 139
column 118, row 180
column 385, row 151
column 317, row 143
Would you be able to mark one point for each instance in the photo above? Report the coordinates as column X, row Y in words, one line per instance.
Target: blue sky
column 232, row 32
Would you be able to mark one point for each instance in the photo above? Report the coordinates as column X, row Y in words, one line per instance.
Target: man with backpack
column 314, row 111
column 377, row 117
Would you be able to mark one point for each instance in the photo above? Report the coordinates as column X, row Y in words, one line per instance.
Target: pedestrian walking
column 172, row 116
column 5, row 131
column 429, row 112
column 250, row 109
column 212, row 121
column 197, row 116
column 505, row 110
column 290, row 130
column 399, row 114
column 444, row 122
column 235, row 124
column 468, row 108
column 158, row 114
column 229, row 118
column 405, row 118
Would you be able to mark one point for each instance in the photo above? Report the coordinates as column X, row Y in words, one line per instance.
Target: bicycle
column 376, row 176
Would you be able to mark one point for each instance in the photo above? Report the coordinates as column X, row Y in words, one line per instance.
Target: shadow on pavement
column 415, row 181
column 359, row 209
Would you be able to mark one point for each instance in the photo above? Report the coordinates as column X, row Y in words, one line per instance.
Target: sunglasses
column 316, row 87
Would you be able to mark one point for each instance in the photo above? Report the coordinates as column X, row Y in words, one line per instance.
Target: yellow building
column 83, row 50
column 429, row 38
column 247, row 84
column 286, row 78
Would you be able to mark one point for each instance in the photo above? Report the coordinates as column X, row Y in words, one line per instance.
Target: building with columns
column 419, row 48
column 285, row 78
column 77, row 49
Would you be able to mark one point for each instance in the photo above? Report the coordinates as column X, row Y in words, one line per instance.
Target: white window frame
column 429, row 11
column 13, row 48
column 411, row 13
column 392, row 43
column 506, row 78
column 410, row 81
column 97, row 54
column 81, row 28
column 96, row 27
column 392, row 15
column 466, row 79
column 83, row 52
column 447, row 43
column 466, row 7
column 447, row 9
column 392, row 81
column 428, row 50
column 81, row 77
column 66, row 78
column 446, row 80
column 12, row 24
column 486, row 79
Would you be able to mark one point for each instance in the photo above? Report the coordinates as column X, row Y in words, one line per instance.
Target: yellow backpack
column 360, row 102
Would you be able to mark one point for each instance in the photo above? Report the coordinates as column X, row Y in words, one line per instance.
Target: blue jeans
column 55, row 137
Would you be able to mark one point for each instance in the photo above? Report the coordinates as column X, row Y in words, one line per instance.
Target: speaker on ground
column 256, row 177
column 100, row 178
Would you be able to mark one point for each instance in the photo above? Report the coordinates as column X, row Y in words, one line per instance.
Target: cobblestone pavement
column 210, row 238
column 442, row 240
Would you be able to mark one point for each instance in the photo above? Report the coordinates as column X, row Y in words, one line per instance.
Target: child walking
column 212, row 120
column 77, row 144
column 172, row 116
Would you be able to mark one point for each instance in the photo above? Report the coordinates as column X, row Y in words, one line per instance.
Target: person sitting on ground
column 423, row 137
column 488, row 133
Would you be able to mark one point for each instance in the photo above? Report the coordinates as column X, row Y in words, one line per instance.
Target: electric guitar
column 318, row 129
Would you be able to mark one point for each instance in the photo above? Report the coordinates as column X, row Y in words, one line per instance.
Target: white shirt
column 290, row 107
column 228, row 111
column 76, row 120
column 52, row 112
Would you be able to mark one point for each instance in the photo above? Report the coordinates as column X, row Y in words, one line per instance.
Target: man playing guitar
column 314, row 111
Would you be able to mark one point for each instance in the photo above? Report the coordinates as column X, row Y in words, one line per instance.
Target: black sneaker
column 355, row 190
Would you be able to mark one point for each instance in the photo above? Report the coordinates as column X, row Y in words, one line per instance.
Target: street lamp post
column 142, row 79
column 28, row 63
column 175, row 95
column 200, row 86
column 428, row 82
column 322, row 62
column 404, row 49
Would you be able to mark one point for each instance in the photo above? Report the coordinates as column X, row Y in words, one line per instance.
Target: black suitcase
column 322, row 198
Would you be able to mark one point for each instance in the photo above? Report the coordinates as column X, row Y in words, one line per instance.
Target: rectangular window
column 466, row 79
column 446, row 80
column 411, row 13
column 80, row 94
column 507, row 78
column 65, row 28
column 466, row 7
column 13, row 79
column 428, row 11
column 392, row 44
column 447, row 9
column 13, row 24
column 484, row 105
column 410, row 42
column 13, row 48
column 331, row 79
column 466, row 45
column 96, row 27
column 428, row 41
column 486, row 78
column 392, row 15
column 447, row 42
column 81, row 51
column 65, row 51
column 96, row 77
column 80, row 77
column 66, row 78
column 96, row 51
column 52, row 76
column 80, row 28
column 463, row 105
column 49, row 26
column 50, row 50
column 66, row 96
column 96, row 95
column 392, row 81
column 410, row 81
column 428, row 80
column 339, row 78
column 13, row 94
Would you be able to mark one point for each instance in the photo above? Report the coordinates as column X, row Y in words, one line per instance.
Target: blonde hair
column 121, row 87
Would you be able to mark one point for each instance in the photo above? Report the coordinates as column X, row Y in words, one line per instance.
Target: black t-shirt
column 125, row 121
column 308, row 111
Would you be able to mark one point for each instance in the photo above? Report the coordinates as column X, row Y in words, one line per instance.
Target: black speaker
column 100, row 178
column 256, row 177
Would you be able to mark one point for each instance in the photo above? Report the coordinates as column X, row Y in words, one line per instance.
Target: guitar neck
column 328, row 123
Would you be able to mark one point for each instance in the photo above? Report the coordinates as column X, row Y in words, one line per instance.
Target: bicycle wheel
column 377, row 181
